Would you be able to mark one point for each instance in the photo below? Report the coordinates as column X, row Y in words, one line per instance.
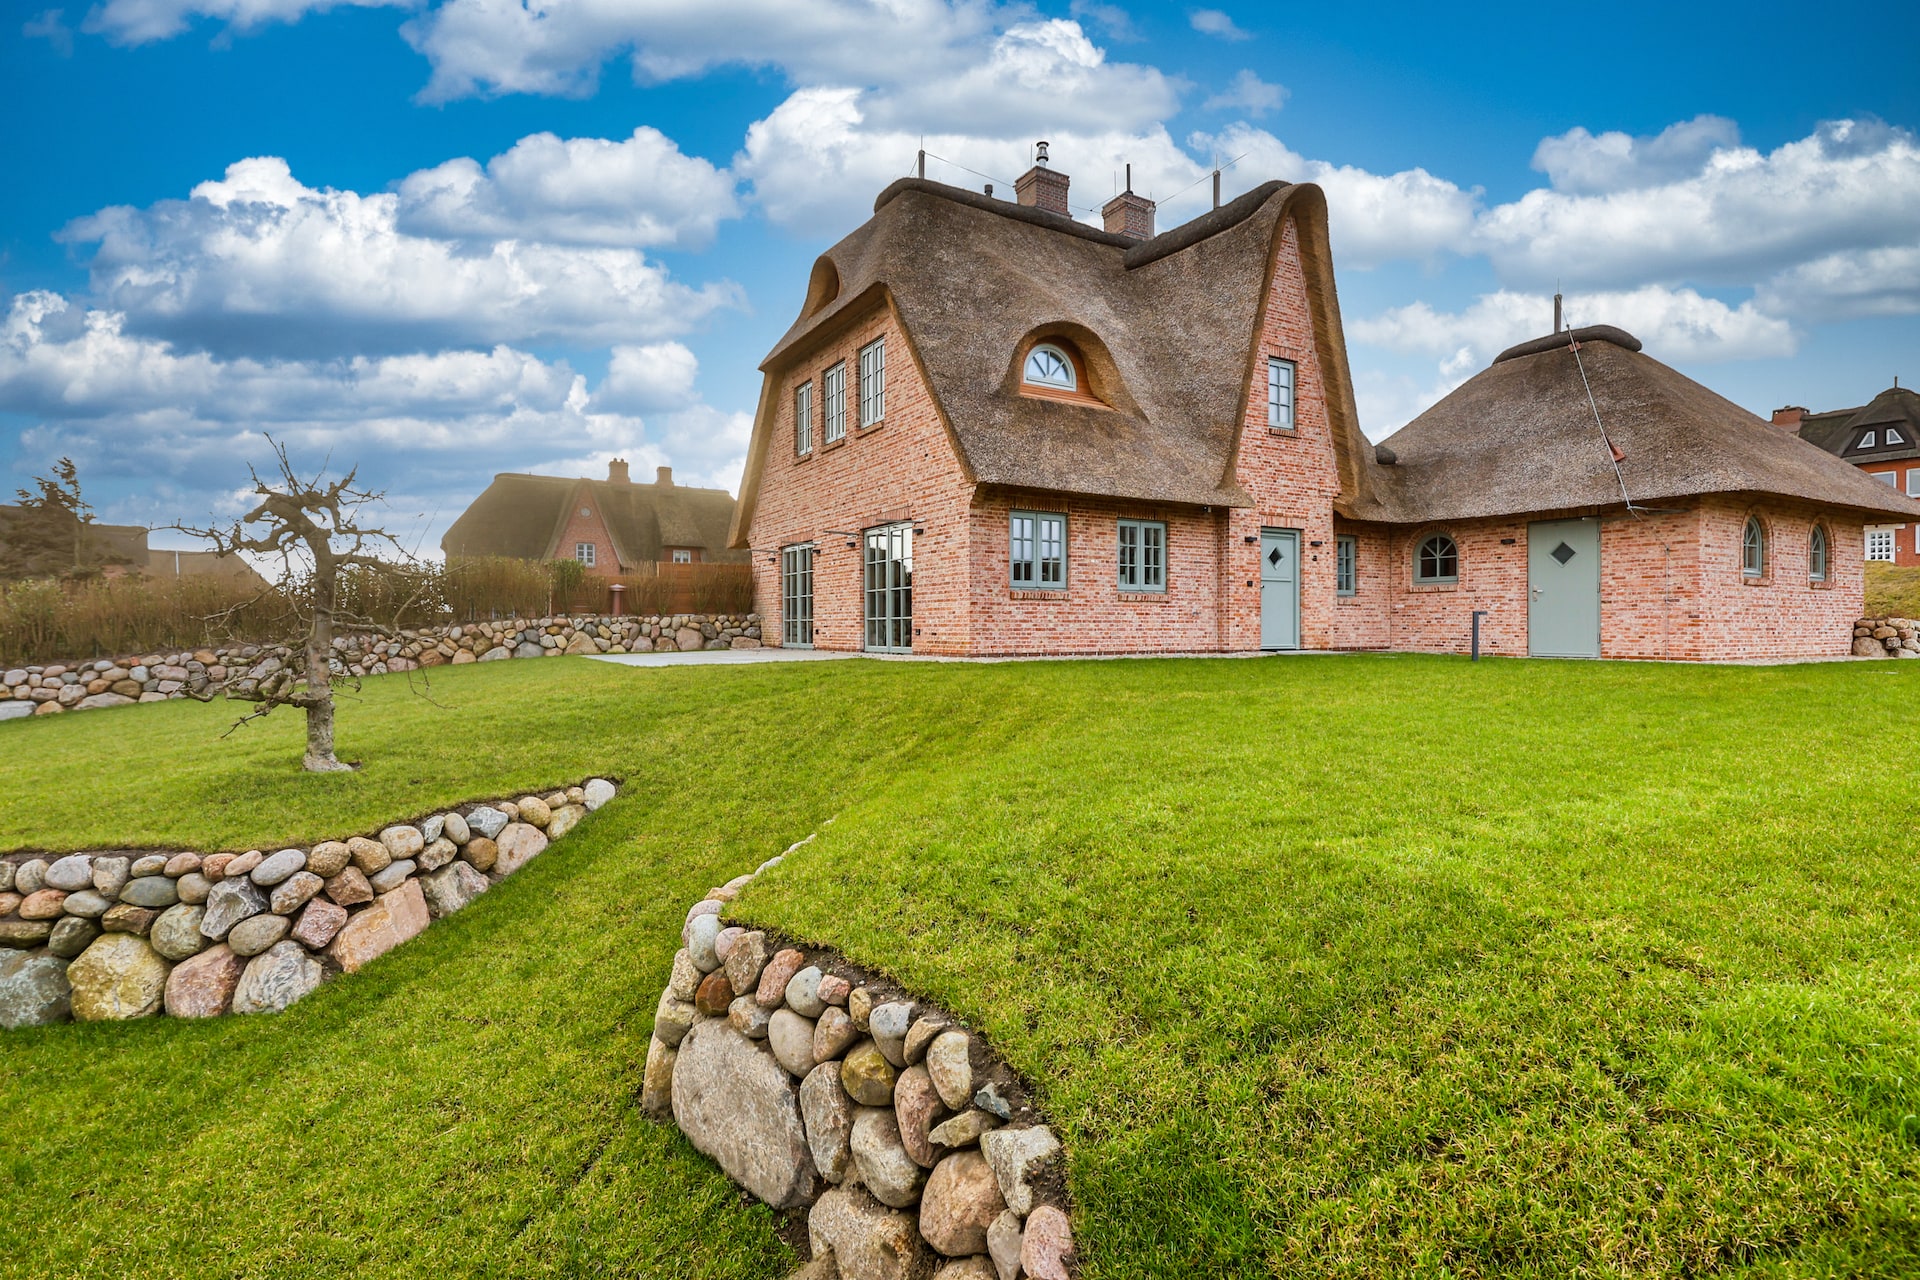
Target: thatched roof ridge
column 1519, row 437
column 1838, row 431
column 524, row 516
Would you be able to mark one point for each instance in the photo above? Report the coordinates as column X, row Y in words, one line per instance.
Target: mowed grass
column 1324, row 966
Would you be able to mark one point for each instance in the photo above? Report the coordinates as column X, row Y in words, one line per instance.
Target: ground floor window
column 1753, row 549
column 796, row 596
column 1143, row 555
column 682, row 555
column 1817, row 555
column 1346, row 564
column 889, row 588
column 1880, row 545
column 1037, row 551
column 1437, row 560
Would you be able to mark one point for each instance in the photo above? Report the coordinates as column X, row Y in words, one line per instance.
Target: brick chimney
column 1788, row 419
column 1042, row 188
column 1129, row 215
column 617, row 472
column 664, row 477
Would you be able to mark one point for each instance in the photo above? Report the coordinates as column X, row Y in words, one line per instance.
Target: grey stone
column 885, row 1167
column 111, row 873
column 228, row 903
column 672, row 1019
column 15, row 709
column 746, row 1016
column 73, row 872
column 94, row 702
column 499, row 653
column 87, row 903
column 149, row 864
column 176, row 934
column 989, row 1098
column 151, row 891
column 803, row 993
column 832, row 1034
column 1003, row 1244
column 963, row 1130
column 686, row 975
column 949, row 1063
column 391, row 876
column 71, row 935
column 30, row 876
column 431, row 828
column 700, row 936
column 737, row 1106
column 277, row 978
column 868, row 1240
column 256, row 933
column 564, row 819
column 920, row 1035
column 528, row 649
column 487, row 821
column 6, row 877
column 292, row 893
column 438, row 853
column 1017, row 1157
column 451, row 888
column 888, row 1024
column 455, row 828
column 272, row 870
column 193, row 888
column 656, row 1081
column 33, row 989
column 790, row 1036
column 598, row 792
column 828, row 1113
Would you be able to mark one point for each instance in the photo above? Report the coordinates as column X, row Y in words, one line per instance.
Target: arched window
column 1049, row 366
column 1753, row 549
column 1437, row 560
column 1817, row 554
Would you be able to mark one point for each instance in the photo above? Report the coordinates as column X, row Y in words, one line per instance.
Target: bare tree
column 316, row 529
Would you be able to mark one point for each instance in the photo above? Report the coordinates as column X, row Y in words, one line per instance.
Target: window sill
column 1348, row 598
column 1434, row 586
column 1142, row 597
column 1819, row 584
column 1755, row 582
column 1024, row 593
column 1282, row 431
column 803, row 457
column 869, row 430
column 831, row 445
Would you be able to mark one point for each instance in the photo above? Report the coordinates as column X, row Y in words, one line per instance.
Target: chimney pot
column 664, row 478
column 617, row 472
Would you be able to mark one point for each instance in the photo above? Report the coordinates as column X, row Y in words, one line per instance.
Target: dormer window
column 1894, row 437
column 1049, row 366
column 1866, row 441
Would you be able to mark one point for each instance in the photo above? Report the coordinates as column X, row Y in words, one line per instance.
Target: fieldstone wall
column 99, row 936
column 1886, row 638
column 154, row 677
column 914, row 1151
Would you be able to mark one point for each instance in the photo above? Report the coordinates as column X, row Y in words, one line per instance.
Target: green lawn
column 1342, row 966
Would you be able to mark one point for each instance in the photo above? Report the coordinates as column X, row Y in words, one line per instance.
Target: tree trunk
column 320, row 757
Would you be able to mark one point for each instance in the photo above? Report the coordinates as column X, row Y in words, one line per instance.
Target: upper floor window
column 1913, row 482
column 1817, row 554
column 833, row 390
column 584, row 552
column 1867, row 441
column 1049, row 366
column 1346, row 564
column 1887, row 478
column 1753, row 549
column 1894, row 437
column 873, row 382
column 1143, row 555
column 1437, row 560
column 803, row 419
column 1280, row 394
column 1037, row 551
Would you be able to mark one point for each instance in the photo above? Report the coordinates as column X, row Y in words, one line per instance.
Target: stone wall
column 100, row 936
column 914, row 1151
column 154, row 677
column 1886, row 638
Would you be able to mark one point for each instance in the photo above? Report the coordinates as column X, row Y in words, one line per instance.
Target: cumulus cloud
column 1834, row 286
column 1212, row 22
column 129, row 22
column 659, row 375
column 257, row 261
column 1248, row 92
column 1114, row 22
column 51, row 26
column 640, row 192
column 1586, row 163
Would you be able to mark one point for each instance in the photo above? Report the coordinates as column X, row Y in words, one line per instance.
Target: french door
column 889, row 589
column 796, row 597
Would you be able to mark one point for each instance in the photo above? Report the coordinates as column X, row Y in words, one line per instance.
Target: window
column 803, row 419
column 1817, row 555
column 873, row 382
column 1866, row 441
column 833, row 389
column 1894, row 437
column 1143, row 555
column 1880, row 545
column 1913, row 482
column 583, row 552
column 682, row 556
column 1280, row 394
column 796, row 596
column 1753, row 549
column 1037, row 551
column 1346, row 564
column 1438, row 560
column 1049, row 366
column 1888, row 478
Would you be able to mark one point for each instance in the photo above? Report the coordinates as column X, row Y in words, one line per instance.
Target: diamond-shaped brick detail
column 1562, row 553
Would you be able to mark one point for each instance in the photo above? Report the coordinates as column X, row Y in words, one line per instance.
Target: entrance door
column 1563, row 589
column 1279, row 588
column 889, row 589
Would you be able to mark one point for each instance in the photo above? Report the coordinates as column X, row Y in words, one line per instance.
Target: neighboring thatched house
column 611, row 526
column 1882, row 438
column 993, row 429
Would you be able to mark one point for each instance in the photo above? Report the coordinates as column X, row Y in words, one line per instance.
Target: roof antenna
column 1216, row 187
column 1556, row 313
column 922, row 171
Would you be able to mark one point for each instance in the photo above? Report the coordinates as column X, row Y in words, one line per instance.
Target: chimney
column 617, row 472
column 1129, row 215
column 1788, row 419
column 1042, row 188
column 664, row 478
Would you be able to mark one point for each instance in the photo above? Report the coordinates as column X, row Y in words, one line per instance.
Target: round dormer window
column 586, row 511
column 1049, row 366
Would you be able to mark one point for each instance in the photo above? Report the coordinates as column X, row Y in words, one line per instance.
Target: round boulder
column 117, row 978
column 960, row 1202
column 33, row 989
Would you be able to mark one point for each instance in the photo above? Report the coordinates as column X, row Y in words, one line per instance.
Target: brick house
column 1881, row 438
column 611, row 526
column 996, row 430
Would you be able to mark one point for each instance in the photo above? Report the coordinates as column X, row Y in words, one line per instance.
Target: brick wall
column 1906, row 543
column 588, row 528
column 1792, row 617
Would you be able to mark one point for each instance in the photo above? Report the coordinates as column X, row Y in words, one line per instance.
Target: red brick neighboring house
column 1881, row 438
column 611, row 526
column 994, row 430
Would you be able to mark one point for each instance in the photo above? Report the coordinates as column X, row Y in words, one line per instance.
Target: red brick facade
column 585, row 524
column 1906, row 537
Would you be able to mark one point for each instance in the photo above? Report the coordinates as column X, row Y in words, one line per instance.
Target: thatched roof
column 1168, row 328
column 1840, row 431
column 1520, row 437
column 524, row 516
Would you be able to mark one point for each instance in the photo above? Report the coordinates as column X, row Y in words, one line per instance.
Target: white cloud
column 1114, row 22
column 258, row 262
column 639, row 192
column 51, row 26
column 1585, row 163
column 1212, row 22
column 659, row 375
column 1248, row 92
column 128, row 22
column 1868, row 282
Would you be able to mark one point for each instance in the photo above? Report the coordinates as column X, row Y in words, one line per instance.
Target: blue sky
column 447, row 238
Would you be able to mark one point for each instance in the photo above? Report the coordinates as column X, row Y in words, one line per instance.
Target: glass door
column 796, row 597
column 889, row 589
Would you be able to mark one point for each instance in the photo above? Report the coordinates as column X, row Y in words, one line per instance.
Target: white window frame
column 1281, row 393
column 682, row 556
column 1819, row 565
column 584, row 553
column 1142, row 553
column 803, row 418
column 1867, row 440
column 833, row 398
column 1030, row 534
column 1894, row 436
column 1072, row 382
column 1753, row 549
column 1913, row 482
column 1883, row 545
column 873, row 383
column 1887, row 478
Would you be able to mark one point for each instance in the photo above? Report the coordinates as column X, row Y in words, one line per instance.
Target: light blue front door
column 1279, row 588
column 1563, row 589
